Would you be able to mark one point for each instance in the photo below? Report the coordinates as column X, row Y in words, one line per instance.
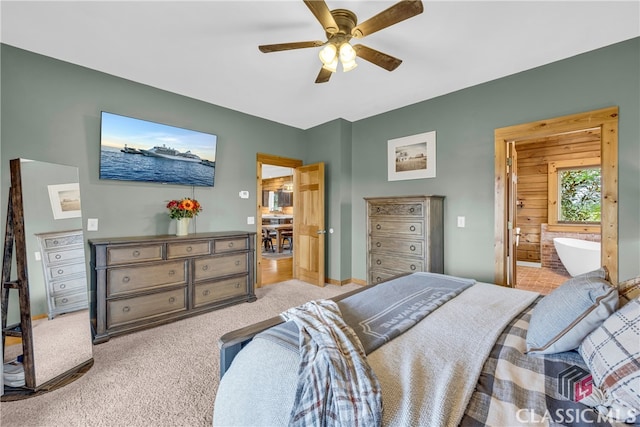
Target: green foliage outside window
column 580, row 194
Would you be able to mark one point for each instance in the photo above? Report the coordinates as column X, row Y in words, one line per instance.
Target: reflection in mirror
column 61, row 332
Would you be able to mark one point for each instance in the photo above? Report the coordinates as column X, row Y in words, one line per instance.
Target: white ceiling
column 208, row 50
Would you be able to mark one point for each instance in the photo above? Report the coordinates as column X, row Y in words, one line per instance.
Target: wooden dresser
column 64, row 269
column 139, row 282
column 404, row 235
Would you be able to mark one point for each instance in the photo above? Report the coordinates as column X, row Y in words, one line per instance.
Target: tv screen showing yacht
column 139, row 150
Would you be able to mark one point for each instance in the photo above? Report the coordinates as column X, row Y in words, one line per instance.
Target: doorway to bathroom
column 528, row 157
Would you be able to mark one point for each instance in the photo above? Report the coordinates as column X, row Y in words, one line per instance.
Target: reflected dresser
column 404, row 235
column 64, row 269
column 140, row 282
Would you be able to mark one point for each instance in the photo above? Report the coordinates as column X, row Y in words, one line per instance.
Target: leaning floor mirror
column 46, row 326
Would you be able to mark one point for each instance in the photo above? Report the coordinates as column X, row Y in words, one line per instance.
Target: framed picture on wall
column 412, row 157
column 65, row 200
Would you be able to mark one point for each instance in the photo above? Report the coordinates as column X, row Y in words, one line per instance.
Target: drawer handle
column 136, row 253
column 56, row 242
column 238, row 262
column 172, row 272
column 411, row 210
column 378, row 209
column 126, row 279
column 206, row 292
column 126, row 309
column 230, row 244
column 378, row 244
column 205, row 267
column 58, row 256
column 63, row 285
column 378, row 279
column 172, row 300
column 237, row 286
column 412, row 228
column 378, row 226
column 412, row 247
column 65, row 300
column 378, row 261
column 60, row 271
column 413, row 267
column 189, row 249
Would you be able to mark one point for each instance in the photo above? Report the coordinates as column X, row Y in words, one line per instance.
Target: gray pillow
column 562, row 319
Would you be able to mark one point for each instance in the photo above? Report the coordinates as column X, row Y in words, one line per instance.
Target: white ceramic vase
column 182, row 226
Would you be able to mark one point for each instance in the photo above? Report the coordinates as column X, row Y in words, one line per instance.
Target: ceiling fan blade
column 266, row 48
column 323, row 76
column 322, row 13
column 376, row 57
column 396, row 13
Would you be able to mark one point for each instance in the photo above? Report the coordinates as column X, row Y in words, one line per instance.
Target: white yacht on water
column 173, row 154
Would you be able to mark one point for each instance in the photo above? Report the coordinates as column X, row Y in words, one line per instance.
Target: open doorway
column 274, row 218
column 593, row 135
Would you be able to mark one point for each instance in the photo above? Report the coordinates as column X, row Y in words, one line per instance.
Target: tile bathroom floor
column 542, row 280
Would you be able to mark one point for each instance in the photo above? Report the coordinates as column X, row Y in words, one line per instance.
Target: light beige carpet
column 165, row 376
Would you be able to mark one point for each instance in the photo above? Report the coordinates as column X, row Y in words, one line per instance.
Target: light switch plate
column 251, row 220
column 92, row 224
column 461, row 221
column 244, row 194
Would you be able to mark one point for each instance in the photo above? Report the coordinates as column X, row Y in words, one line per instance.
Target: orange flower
column 184, row 208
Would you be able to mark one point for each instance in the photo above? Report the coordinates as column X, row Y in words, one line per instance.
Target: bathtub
column 578, row 256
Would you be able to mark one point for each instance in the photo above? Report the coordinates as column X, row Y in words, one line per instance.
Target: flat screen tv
column 139, row 150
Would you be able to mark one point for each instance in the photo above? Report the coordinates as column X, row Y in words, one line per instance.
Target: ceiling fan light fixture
column 347, row 53
column 332, row 66
column 348, row 66
column 328, row 54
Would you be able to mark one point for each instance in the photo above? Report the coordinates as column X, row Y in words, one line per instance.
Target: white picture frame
column 412, row 157
column 65, row 200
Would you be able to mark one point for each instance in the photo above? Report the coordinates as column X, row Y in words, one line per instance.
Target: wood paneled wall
column 275, row 184
column 533, row 157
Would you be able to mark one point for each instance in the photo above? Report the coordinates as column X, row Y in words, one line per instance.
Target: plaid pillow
column 628, row 290
column 612, row 354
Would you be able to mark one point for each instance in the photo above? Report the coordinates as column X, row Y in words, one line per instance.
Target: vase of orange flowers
column 182, row 211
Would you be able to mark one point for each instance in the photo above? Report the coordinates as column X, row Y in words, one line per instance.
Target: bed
column 448, row 351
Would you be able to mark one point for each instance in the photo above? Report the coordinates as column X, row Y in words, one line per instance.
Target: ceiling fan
column 341, row 25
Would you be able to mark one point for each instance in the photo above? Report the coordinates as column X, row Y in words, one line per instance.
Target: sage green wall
column 51, row 112
column 331, row 143
column 464, row 122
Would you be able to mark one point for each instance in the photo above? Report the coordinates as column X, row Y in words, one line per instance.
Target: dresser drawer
column 132, row 254
column 209, row 292
column 207, row 268
column 72, row 285
column 55, row 257
column 395, row 263
column 61, row 241
column 179, row 250
column 129, row 310
column 76, row 299
column 398, row 246
column 132, row 279
column 66, row 270
column 396, row 209
column 378, row 276
column 396, row 228
column 229, row 245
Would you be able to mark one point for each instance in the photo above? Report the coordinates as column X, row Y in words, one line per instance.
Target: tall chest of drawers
column 64, row 271
column 404, row 235
column 139, row 282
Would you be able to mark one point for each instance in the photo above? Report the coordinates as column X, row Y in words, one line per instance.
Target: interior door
column 308, row 224
column 513, row 231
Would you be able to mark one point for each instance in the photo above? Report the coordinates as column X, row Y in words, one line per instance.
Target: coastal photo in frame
column 412, row 157
column 65, row 200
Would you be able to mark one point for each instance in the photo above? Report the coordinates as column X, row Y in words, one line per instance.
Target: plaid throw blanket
column 516, row 389
column 336, row 386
